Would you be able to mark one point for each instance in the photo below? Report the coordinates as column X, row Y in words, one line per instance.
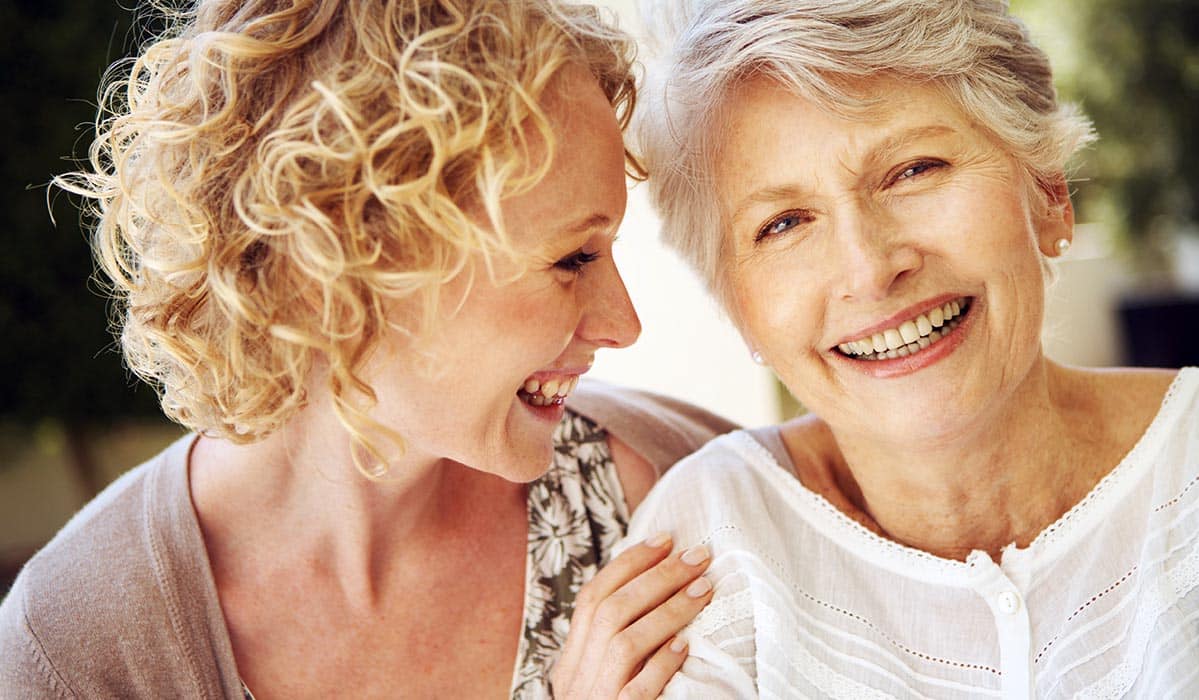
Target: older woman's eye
column 781, row 224
column 917, row 169
column 576, row 261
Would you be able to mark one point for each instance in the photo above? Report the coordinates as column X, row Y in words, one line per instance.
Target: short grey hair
column 980, row 56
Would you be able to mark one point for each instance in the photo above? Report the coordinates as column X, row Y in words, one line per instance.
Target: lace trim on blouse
column 1061, row 533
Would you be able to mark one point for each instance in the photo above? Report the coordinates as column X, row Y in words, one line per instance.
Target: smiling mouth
column 550, row 392
column 910, row 337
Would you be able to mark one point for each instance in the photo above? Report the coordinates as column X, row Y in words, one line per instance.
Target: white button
column 1009, row 602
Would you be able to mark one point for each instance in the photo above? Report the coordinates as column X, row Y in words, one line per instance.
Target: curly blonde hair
column 272, row 172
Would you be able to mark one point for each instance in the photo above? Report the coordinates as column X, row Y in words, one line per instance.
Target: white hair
column 973, row 50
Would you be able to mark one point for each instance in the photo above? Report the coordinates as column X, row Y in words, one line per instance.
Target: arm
column 25, row 670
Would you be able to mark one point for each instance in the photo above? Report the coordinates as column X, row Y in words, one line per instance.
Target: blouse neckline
column 1049, row 544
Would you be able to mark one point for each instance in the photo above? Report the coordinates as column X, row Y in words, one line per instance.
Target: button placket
column 1011, row 625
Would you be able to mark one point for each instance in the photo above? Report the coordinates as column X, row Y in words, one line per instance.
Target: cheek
column 525, row 325
column 982, row 223
column 775, row 301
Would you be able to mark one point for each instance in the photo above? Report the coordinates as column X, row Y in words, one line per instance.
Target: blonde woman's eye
column 781, row 224
column 576, row 261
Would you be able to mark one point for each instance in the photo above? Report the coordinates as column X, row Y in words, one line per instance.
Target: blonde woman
column 363, row 249
column 875, row 190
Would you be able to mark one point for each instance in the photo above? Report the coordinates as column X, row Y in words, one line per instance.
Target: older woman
column 873, row 189
column 364, row 250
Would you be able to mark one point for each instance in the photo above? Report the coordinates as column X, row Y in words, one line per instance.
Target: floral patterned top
column 577, row 513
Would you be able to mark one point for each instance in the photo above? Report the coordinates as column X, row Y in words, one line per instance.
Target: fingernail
column 678, row 645
column 696, row 555
column 699, row 587
column 659, row 540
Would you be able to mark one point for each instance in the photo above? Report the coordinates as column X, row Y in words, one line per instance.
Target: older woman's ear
column 1055, row 228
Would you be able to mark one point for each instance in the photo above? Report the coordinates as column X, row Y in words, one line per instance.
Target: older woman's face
column 535, row 327
column 887, row 268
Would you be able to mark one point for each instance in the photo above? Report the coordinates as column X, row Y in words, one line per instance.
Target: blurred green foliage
column 1133, row 65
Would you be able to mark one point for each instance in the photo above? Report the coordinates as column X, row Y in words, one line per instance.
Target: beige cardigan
column 122, row 602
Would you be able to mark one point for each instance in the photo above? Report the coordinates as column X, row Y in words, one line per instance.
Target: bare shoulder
column 637, row 474
column 809, row 441
column 1132, row 389
column 1117, row 405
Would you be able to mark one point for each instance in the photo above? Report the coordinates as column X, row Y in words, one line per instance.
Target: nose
column 609, row 319
column 874, row 255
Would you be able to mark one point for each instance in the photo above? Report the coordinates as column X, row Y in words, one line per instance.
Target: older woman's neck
column 1001, row 480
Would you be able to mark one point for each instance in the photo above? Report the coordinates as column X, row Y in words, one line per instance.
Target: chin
column 526, row 463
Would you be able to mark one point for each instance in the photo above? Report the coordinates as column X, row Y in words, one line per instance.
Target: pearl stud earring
column 758, row 357
column 1062, row 245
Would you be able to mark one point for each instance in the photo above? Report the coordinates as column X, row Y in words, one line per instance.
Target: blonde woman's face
column 506, row 352
column 888, row 268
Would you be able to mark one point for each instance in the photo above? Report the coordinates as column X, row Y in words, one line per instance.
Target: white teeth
column 909, row 338
column 550, row 392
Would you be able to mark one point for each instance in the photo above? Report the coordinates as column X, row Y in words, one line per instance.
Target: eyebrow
column 895, row 142
column 590, row 223
column 877, row 152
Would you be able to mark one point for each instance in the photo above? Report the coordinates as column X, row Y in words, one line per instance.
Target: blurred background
column 72, row 419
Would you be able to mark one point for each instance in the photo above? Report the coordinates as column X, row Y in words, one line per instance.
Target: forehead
column 760, row 109
column 584, row 181
column 771, row 132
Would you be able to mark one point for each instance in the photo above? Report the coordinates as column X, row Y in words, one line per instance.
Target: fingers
column 618, row 572
column 656, row 627
column 643, row 614
column 657, row 672
column 624, row 568
column 625, row 616
column 650, row 589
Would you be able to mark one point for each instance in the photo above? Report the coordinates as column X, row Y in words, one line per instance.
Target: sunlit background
column 71, row 419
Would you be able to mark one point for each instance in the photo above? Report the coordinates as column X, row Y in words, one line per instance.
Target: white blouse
column 1102, row 604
